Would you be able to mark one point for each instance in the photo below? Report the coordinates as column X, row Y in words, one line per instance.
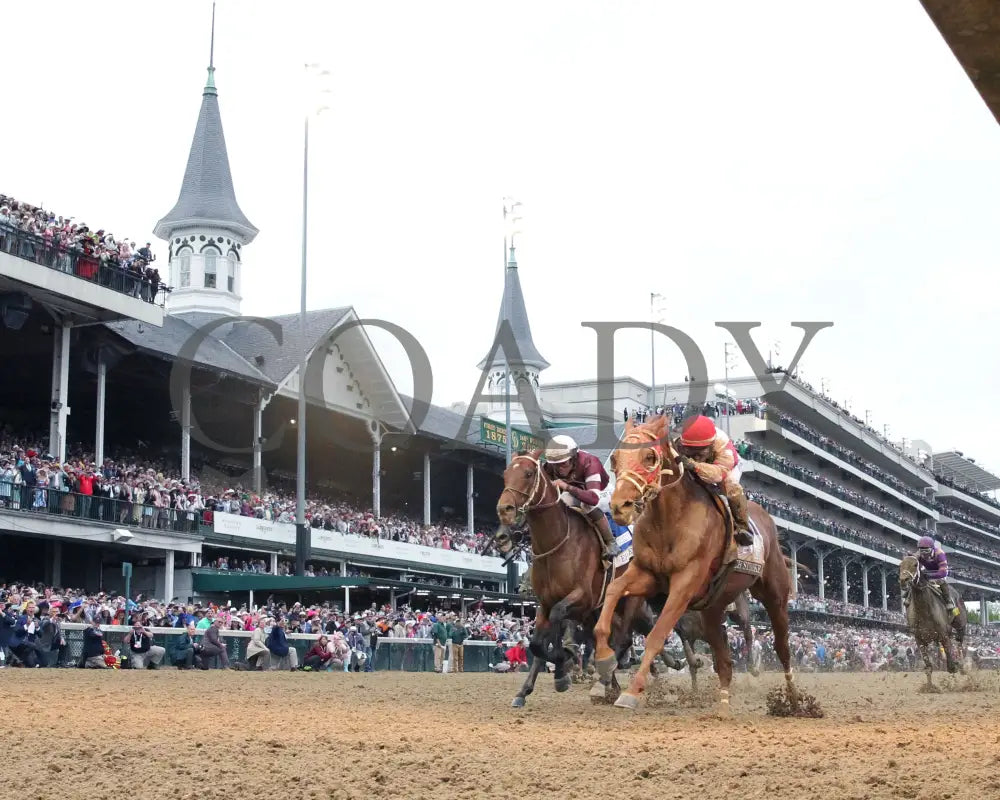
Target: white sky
column 773, row 162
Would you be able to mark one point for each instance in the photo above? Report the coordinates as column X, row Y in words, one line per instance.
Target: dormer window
column 211, row 257
column 231, row 283
column 184, row 268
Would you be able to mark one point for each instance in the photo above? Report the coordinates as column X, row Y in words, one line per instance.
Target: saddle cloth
column 750, row 559
column 624, row 540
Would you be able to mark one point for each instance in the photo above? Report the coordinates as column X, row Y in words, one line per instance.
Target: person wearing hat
column 713, row 457
column 579, row 476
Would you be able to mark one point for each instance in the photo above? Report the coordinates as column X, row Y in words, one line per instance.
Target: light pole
column 653, row 297
column 301, row 530
column 725, row 349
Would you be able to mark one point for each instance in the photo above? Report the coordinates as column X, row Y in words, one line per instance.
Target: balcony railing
column 104, row 271
column 99, row 508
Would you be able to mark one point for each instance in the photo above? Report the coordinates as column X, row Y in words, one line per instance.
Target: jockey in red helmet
column 717, row 462
column 579, row 476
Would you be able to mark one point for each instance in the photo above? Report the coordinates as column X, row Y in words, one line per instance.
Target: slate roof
column 279, row 359
column 170, row 340
column 517, row 314
column 207, row 197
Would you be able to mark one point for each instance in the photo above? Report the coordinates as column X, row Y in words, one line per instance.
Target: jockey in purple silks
column 934, row 570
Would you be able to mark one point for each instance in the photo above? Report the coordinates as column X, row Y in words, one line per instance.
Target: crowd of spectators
column 986, row 498
column 32, row 233
column 31, row 618
column 776, row 461
column 975, row 521
column 679, row 411
column 129, row 491
column 845, row 454
column 792, row 513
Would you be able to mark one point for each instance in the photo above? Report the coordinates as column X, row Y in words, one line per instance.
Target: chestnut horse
column 567, row 573
column 678, row 543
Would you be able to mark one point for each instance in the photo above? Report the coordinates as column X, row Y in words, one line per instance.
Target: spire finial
column 210, row 83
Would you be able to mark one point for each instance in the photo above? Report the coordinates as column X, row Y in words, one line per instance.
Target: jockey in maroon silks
column 579, row 476
column 934, row 570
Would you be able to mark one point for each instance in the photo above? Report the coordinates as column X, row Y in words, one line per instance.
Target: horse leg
column 633, row 581
column 542, row 621
column 557, row 617
column 692, row 659
column 715, row 634
column 928, row 667
column 775, row 602
column 529, row 682
column 683, row 587
column 743, row 620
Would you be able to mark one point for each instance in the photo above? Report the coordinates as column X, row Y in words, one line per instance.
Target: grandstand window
column 210, row 258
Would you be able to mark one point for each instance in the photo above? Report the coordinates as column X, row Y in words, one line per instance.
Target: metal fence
column 108, row 273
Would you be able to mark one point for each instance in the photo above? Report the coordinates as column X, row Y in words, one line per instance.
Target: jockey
column 579, row 476
column 934, row 570
column 717, row 462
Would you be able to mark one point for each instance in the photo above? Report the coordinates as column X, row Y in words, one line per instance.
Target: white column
column 470, row 499
column 57, row 563
column 885, row 592
column 377, row 477
column 102, row 380
column 168, row 577
column 251, row 600
column 843, row 579
column 258, row 432
column 60, row 392
column 274, row 563
column 186, row 433
column 795, row 568
column 820, row 577
column 864, row 585
column 984, row 611
column 347, row 592
column 427, row 488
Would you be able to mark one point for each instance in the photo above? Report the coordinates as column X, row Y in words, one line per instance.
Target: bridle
column 648, row 481
column 530, row 504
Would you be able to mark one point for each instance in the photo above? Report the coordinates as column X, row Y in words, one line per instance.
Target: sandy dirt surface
column 167, row 734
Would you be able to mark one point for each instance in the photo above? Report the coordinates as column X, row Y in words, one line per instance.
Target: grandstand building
column 849, row 503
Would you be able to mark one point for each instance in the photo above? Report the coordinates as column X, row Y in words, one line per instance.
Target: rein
column 648, row 481
column 528, row 505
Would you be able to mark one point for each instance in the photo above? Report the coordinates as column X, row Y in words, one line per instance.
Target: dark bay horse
column 690, row 628
column 567, row 573
column 678, row 543
column 928, row 619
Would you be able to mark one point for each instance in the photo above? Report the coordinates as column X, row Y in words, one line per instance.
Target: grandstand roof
column 517, row 314
column 953, row 465
column 972, row 30
column 281, row 357
column 207, row 197
column 170, row 340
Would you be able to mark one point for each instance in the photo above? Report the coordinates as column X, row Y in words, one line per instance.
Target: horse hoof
column 517, row 702
column 598, row 691
column 625, row 700
column 606, row 666
column 563, row 683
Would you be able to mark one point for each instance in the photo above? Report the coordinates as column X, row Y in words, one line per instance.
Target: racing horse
column 680, row 539
column 928, row 620
column 567, row 575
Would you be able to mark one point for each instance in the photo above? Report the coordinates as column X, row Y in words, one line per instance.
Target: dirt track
column 85, row 734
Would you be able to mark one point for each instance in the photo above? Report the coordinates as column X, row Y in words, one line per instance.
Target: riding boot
column 741, row 514
column 607, row 537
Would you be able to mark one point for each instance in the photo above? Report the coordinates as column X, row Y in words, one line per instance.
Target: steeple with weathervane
column 525, row 369
column 206, row 229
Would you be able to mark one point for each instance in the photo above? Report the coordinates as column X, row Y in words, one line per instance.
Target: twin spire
column 207, row 198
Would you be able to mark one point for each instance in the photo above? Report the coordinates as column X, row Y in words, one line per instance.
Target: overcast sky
column 771, row 161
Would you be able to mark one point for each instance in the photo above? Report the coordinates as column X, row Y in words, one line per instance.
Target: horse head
column 909, row 569
column 524, row 486
column 644, row 456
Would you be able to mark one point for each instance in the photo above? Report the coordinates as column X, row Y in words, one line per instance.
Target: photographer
column 93, row 646
column 139, row 644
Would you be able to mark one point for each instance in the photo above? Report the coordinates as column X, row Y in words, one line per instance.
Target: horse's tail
column 798, row 565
